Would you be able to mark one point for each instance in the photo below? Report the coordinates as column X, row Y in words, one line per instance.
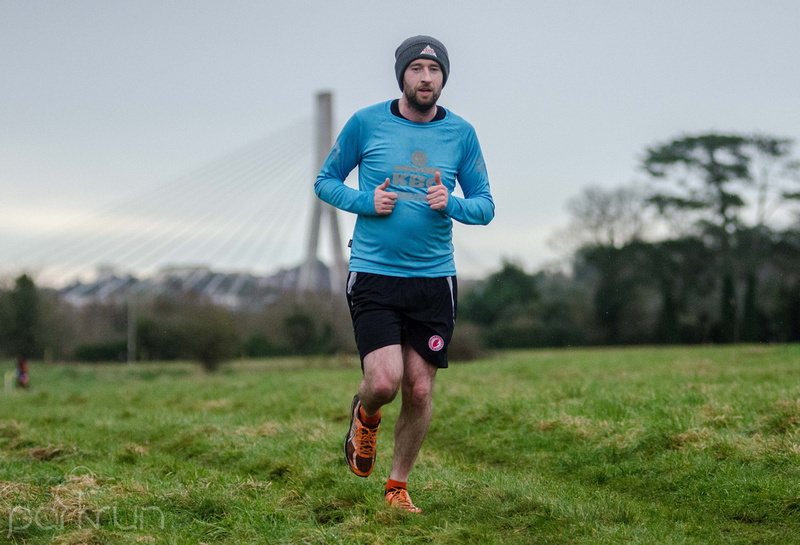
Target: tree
column 25, row 331
column 776, row 175
column 503, row 305
column 715, row 181
column 161, row 338
column 785, row 292
column 5, row 320
column 211, row 336
column 618, row 276
column 303, row 334
column 604, row 217
column 679, row 269
column 708, row 173
column 502, row 294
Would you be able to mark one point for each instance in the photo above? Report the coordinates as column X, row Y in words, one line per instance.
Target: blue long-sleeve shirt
column 413, row 240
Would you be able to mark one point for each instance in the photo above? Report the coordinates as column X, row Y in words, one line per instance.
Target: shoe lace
column 400, row 498
column 366, row 439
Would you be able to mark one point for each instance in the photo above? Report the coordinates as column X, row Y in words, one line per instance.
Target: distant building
column 236, row 291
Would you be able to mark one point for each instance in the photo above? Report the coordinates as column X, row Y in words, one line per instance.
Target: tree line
column 36, row 324
column 704, row 249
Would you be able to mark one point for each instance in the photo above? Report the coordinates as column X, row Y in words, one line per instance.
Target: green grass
column 677, row 445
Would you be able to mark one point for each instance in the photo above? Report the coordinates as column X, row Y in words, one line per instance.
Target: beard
column 419, row 104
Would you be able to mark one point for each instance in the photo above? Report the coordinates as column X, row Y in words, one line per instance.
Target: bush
column 211, row 335
column 160, row 340
column 520, row 331
column 305, row 336
column 259, row 346
column 109, row 351
column 466, row 343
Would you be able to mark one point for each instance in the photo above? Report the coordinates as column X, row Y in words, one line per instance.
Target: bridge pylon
column 310, row 276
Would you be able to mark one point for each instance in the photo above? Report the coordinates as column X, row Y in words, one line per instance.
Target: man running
column 401, row 287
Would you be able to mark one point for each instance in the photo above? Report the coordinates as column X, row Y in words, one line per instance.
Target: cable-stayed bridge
column 240, row 227
column 240, row 210
column 243, row 216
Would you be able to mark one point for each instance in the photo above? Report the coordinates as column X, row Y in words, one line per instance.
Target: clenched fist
column 384, row 200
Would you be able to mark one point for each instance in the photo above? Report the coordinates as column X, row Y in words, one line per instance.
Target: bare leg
column 383, row 372
column 415, row 412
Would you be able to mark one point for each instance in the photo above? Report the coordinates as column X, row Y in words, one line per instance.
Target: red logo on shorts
column 436, row 343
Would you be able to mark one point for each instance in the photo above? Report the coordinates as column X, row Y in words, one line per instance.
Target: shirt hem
column 403, row 273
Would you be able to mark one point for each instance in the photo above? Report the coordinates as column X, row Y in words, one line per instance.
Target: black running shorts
column 388, row 310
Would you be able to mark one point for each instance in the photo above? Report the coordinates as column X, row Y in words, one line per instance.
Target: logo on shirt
column 415, row 175
column 429, row 51
column 336, row 152
column 419, row 159
column 436, row 343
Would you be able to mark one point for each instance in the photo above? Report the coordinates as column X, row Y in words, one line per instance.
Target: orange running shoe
column 399, row 498
column 359, row 443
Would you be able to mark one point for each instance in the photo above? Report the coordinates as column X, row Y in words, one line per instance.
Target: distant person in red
column 22, row 372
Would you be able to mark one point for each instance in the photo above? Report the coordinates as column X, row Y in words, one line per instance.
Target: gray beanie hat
column 420, row 47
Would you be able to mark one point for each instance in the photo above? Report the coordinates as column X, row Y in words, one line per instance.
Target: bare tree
column 604, row 217
column 776, row 173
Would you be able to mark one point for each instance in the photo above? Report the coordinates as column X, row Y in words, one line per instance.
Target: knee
column 418, row 394
column 384, row 387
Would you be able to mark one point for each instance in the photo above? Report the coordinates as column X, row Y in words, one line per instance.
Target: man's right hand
column 384, row 200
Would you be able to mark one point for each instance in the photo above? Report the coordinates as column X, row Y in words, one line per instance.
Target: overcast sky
column 100, row 99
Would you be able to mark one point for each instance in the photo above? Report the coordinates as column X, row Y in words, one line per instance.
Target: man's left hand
column 438, row 195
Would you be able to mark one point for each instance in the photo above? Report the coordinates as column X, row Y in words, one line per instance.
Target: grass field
column 667, row 445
